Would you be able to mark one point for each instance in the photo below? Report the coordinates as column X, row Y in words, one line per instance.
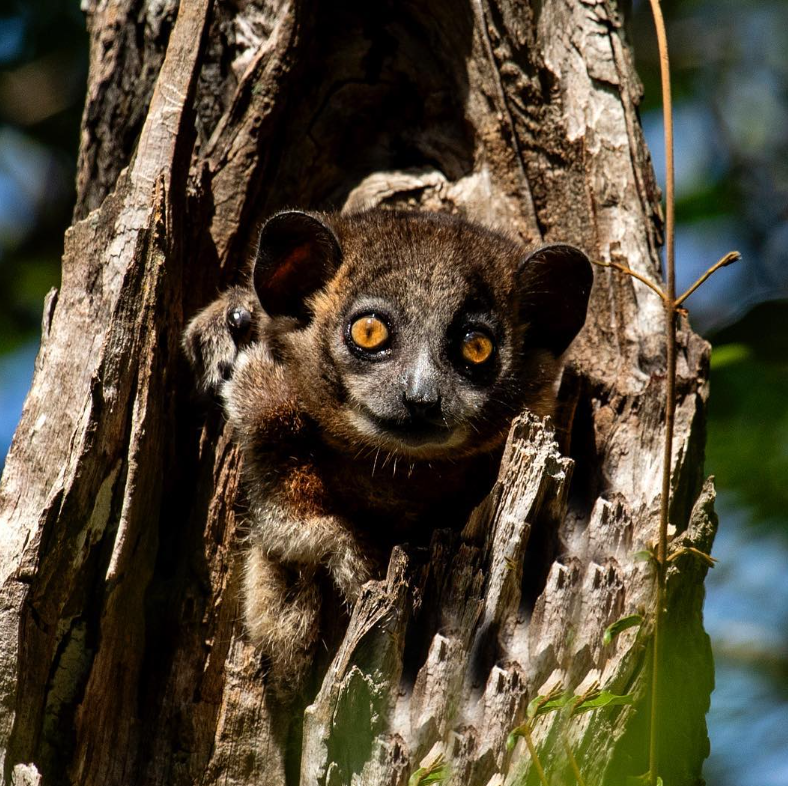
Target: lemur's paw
column 350, row 570
column 213, row 338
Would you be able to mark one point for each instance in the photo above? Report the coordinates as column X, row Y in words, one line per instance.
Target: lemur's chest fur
column 370, row 372
column 393, row 501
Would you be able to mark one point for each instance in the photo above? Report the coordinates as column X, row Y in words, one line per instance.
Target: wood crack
column 526, row 197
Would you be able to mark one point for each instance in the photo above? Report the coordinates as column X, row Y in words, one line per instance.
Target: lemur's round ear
column 555, row 282
column 296, row 256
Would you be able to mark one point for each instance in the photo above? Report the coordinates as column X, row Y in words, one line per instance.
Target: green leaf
column 541, row 705
column 519, row 731
column 644, row 555
column 603, row 699
column 437, row 773
column 438, row 776
column 612, row 630
column 511, row 740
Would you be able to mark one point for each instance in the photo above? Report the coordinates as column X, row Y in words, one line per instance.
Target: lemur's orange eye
column 477, row 347
column 369, row 333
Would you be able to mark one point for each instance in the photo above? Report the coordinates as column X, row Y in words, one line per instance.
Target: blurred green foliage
column 43, row 72
column 747, row 445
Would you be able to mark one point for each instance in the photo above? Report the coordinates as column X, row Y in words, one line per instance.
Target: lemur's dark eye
column 477, row 347
column 239, row 321
column 369, row 333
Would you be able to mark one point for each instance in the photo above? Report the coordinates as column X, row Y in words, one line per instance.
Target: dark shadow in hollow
column 383, row 87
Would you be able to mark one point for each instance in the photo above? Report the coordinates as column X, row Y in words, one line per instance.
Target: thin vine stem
column 624, row 269
column 669, row 301
column 672, row 308
column 728, row 259
column 573, row 761
column 529, row 741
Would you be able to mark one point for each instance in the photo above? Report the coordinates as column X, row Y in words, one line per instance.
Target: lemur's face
column 422, row 372
column 427, row 334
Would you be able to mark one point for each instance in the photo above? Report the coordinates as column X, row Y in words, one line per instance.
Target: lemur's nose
column 423, row 408
column 421, row 395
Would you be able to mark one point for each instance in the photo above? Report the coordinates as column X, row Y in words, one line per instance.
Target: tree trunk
column 122, row 657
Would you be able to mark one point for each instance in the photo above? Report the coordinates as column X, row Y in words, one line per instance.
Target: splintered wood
column 486, row 650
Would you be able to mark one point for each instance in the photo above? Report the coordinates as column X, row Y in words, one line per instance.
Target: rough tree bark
column 122, row 659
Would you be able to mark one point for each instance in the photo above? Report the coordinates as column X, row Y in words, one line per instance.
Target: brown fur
column 346, row 452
